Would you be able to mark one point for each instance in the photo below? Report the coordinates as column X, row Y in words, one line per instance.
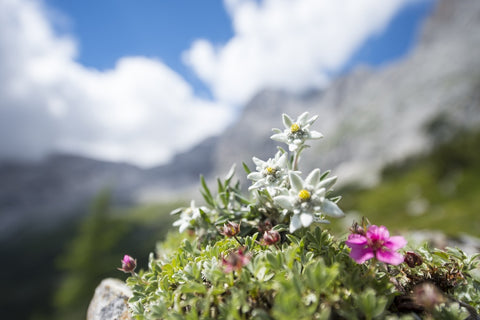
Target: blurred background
column 110, row 111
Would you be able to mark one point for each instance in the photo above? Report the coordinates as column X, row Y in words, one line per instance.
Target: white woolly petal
column 306, row 219
column 183, row 227
column 313, row 178
column 312, row 120
column 302, row 119
column 295, row 223
column 281, row 137
column 327, row 183
column 296, row 181
column 320, row 194
column 256, row 185
column 331, row 209
column 287, row 121
column 315, row 135
column 177, row 223
column 258, row 162
column 276, row 130
column 283, row 202
column 255, row 176
column 282, row 161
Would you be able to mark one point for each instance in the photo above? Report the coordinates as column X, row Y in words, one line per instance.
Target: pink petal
column 395, row 243
column 356, row 240
column 377, row 233
column 390, row 257
column 360, row 255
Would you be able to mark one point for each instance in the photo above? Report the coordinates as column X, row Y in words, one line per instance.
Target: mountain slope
column 369, row 118
column 373, row 117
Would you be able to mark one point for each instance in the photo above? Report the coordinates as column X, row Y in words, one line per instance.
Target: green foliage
column 93, row 252
column 437, row 191
column 88, row 256
column 310, row 276
column 264, row 256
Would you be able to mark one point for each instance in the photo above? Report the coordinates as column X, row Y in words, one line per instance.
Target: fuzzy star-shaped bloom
column 271, row 174
column 188, row 216
column 306, row 199
column 296, row 132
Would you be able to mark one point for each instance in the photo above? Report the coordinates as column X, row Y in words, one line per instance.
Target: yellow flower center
column 304, row 195
column 294, row 128
column 270, row 170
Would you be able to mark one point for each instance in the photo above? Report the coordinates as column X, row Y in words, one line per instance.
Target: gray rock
column 110, row 301
column 437, row 239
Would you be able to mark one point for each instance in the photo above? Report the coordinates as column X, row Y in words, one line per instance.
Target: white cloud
column 143, row 112
column 140, row 111
column 288, row 44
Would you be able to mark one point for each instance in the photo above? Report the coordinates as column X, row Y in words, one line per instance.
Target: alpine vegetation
column 268, row 254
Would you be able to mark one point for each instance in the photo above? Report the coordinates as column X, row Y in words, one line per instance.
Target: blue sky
column 109, row 78
column 161, row 29
column 164, row 29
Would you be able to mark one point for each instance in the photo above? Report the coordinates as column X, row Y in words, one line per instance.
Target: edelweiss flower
column 187, row 216
column 306, row 198
column 295, row 133
column 270, row 174
column 376, row 243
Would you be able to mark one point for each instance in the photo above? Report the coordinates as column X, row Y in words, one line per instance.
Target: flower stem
column 238, row 240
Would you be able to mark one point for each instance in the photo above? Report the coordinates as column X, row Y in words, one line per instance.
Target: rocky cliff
column 373, row 117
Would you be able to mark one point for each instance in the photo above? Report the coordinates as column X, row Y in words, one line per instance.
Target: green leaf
column 324, row 175
column 205, row 187
column 230, row 174
column 246, row 168
column 193, row 287
column 441, row 254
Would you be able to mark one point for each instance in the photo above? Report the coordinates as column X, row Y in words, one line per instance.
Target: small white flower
column 306, row 199
column 188, row 216
column 295, row 133
column 270, row 174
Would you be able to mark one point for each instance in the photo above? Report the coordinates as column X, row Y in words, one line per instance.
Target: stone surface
column 437, row 239
column 110, row 301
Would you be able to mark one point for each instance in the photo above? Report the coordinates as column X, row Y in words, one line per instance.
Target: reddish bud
column 413, row 259
column 357, row 229
column 271, row 237
column 230, row 229
column 128, row 264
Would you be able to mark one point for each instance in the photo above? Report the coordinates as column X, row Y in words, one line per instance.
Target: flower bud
column 230, row 229
column 413, row 259
column 357, row 229
column 271, row 237
column 128, row 264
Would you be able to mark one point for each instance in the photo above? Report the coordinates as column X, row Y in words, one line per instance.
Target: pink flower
column 128, row 264
column 235, row 261
column 376, row 243
column 230, row 229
